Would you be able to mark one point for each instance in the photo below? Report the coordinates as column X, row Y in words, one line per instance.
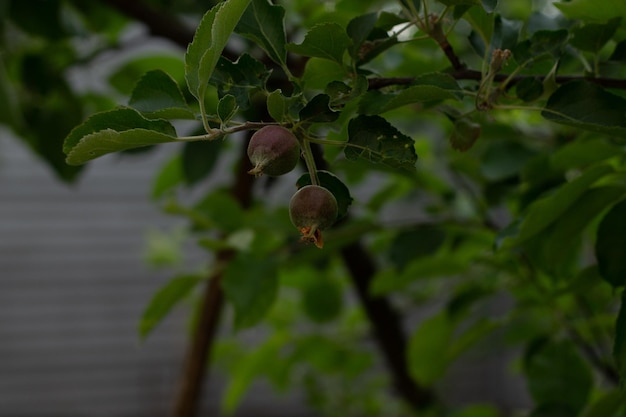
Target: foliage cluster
column 517, row 113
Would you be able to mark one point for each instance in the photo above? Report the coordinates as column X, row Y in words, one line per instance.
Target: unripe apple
column 313, row 209
column 273, row 150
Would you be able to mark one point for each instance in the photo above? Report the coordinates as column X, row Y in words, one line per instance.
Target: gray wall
column 72, row 288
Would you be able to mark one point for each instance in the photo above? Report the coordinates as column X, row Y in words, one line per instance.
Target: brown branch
column 199, row 351
column 468, row 74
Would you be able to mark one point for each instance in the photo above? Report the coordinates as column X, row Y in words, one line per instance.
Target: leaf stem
column 307, row 153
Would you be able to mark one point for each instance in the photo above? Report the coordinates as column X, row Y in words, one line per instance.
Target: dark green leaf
column 164, row 300
column 317, row 110
column 619, row 53
column 39, row 17
column 358, row 30
column 242, row 78
column 199, row 158
column 610, row 404
column 415, row 243
column 529, row 89
column 559, row 244
column 221, row 211
column 282, row 108
column 587, row 106
column 490, row 5
column 619, row 347
column 333, row 184
column 459, row 2
column 610, row 244
column 375, row 139
column 465, row 134
column 425, row 88
column 327, row 40
column 208, row 42
column 504, row 159
column 593, row 36
column 251, row 286
column 545, row 211
column 553, row 410
column 226, row 108
column 427, row 360
column 322, row 299
column 558, row 375
column 542, row 44
column 157, row 95
column 112, row 131
column 264, row 24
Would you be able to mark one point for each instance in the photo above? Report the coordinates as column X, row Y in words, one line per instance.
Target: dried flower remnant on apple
column 274, row 151
column 312, row 209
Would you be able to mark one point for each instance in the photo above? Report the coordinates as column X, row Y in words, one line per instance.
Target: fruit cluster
column 274, row 150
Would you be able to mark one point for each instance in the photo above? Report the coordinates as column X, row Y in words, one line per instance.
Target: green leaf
column 374, row 139
column 542, row 44
column 157, row 95
column 619, row 347
column 358, row 30
column 464, row 134
column 251, row 285
column 221, row 211
column 593, row 36
column 556, row 374
column 318, row 110
column 322, row 300
column 581, row 153
column 199, row 159
column 553, row 410
column 414, row 243
column 226, row 108
column 425, row 88
column 208, row 42
column 319, row 72
column 168, row 177
column 427, row 360
column 164, row 300
column 459, row 2
column 559, row 243
column 264, row 24
column 610, row 404
column 587, row 106
column 545, row 211
column 504, row 159
column 490, row 5
column 242, row 78
column 610, row 244
column 124, row 79
column 327, row 40
column 593, row 10
column 333, row 184
column 278, row 106
column 113, row 131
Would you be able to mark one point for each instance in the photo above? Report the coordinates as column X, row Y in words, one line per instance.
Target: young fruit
column 273, row 150
column 313, row 209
